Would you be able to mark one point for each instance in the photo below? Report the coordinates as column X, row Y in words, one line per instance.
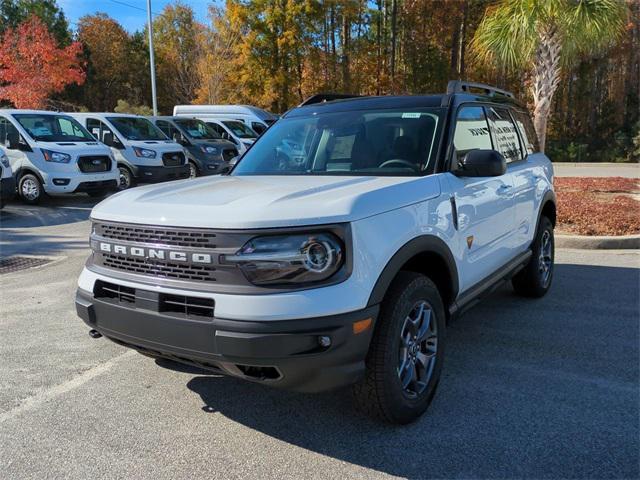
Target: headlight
column 289, row 259
column 5, row 161
column 209, row 149
column 144, row 152
column 57, row 157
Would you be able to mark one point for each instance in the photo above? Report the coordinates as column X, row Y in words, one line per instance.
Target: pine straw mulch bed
column 598, row 206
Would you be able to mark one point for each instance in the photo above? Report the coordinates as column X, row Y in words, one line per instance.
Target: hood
column 157, row 145
column 76, row 149
column 216, row 142
column 231, row 202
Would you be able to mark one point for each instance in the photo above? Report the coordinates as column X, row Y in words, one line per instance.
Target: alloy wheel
column 125, row 181
column 545, row 261
column 193, row 172
column 418, row 348
column 30, row 189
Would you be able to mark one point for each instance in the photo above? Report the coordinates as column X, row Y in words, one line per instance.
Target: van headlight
column 5, row 161
column 144, row 152
column 209, row 149
column 289, row 259
column 56, row 157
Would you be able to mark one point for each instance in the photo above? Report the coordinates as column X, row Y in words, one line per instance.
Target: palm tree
column 545, row 36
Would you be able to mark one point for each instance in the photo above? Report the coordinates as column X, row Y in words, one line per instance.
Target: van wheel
column 193, row 170
column 535, row 279
column 126, row 179
column 404, row 361
column 30, row 189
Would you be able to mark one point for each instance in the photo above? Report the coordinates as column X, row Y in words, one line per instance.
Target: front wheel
column 405, row 358
column 126, row 178
column 193, row 170
column 535, row 279
column 30, row 189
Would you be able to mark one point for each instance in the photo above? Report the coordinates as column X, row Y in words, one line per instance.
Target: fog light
column 324, row 341
column 148, row 174
column 61, row 181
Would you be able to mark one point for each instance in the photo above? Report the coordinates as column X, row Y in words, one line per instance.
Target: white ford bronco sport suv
column 341, row 263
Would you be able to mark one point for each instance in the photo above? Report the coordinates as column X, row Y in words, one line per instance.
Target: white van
column 7, row 180
column 144, row 154
column 234, row 131
column 51, row 152
column 255, row 118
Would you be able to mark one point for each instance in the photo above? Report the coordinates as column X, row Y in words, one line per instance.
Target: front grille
column 204, row 273
column 155, row 235
column 229, row 153
column 174, row 305
column 95, row 163
column 172, row 159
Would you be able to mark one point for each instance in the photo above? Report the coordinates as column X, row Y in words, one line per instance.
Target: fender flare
column 416, row 246
column 549, row 196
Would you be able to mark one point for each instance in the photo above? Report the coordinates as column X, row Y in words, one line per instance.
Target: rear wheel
column 404, row 361
column 535, row 279
column 30, row 189
column 126, row 178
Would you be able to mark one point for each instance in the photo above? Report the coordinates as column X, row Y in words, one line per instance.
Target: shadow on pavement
column 530, row 388
column 52, row 211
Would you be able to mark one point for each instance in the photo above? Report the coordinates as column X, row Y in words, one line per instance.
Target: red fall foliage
column 32, row 66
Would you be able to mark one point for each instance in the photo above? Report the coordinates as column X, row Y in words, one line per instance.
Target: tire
column 30, row 189
column 535, row 279
column 126, row 179
column 193, row 170
column 381, row 393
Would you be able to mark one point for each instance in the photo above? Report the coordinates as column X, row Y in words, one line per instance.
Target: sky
column 131, row 14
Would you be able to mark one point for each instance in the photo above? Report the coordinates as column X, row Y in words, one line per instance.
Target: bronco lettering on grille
column 155, row 253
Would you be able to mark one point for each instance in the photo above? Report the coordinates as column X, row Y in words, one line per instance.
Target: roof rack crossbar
column 460, row 86
column 326, row 97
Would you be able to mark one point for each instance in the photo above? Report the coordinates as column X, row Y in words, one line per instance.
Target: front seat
column 403, row 149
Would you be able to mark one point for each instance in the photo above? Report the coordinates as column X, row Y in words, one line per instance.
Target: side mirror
column 482, row 163
column 13, row 140
column 107, row 138
column 180, row 138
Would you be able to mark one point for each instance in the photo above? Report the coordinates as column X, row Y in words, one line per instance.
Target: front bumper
column 95, row 186
column 81, row 182
column 161, row 174
column 285, row 354
column 7, row 188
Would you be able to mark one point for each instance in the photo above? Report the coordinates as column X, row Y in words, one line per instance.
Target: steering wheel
column 399, row 161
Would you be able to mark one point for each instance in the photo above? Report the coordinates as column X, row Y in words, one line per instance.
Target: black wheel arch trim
column 419, row 245
column 22, row 171
column 129, row 166
column 548, row 197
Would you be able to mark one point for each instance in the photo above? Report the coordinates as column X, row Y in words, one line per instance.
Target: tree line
column 275, row 53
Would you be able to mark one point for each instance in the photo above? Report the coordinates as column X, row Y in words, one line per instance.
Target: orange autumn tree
column 32, row 66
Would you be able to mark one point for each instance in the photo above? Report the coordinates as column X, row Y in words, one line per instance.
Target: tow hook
column 94, row 334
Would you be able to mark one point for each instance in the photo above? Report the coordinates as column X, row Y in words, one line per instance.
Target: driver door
column 484, row 205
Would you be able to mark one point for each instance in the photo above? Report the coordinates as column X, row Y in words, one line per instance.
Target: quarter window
column 504, row 134
column 472, row 131
column 528, row 133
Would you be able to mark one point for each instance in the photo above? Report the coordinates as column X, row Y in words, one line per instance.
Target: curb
column 625, row 242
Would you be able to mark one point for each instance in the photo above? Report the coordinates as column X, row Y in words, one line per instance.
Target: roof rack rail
column 326, row 97
column 460, row 86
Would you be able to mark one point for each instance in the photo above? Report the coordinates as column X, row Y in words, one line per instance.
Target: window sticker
column 411, row 115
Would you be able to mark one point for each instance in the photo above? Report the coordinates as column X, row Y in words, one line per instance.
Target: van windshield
column 239, row 129
column 384, row 142
column 53, row 128
column 136, row 128
column 197, row 129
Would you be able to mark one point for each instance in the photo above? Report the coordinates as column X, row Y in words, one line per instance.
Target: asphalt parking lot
column 531, row 389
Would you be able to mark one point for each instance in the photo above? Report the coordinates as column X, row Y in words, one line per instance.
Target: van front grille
column 95, row 163
column 172, row 159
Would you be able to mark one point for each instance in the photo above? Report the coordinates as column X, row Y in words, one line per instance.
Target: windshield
column 197, row 129
column 239, row 129
column 53, row 128
column 136, row 128
column 369, row 142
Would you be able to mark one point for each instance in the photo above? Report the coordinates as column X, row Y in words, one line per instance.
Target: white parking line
column 36, row 400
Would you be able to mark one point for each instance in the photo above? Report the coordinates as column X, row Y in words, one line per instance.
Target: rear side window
column 527, row 131
column 472, row 131
column 504, row 134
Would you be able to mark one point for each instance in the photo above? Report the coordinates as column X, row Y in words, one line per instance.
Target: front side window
column 7, row 130
column 98, row 128
column 370, row 142
column 53, row 128
column 136, row 128
column 197, row 129
column 258, row 127
column 472, row 132
column 239, row 129
column 504, row 134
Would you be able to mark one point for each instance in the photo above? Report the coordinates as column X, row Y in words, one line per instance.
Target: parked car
column 234, row 131
column 52, row 153
column 253, row 117
column 7, row 180
column 340, row 268
column 144, row 154
column 207, row 152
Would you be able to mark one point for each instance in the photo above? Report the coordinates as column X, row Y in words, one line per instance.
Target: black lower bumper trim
column 107, row 185
column 285, row 354
column 161, row 174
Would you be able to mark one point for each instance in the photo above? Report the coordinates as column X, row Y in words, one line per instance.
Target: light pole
column 152, row 61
